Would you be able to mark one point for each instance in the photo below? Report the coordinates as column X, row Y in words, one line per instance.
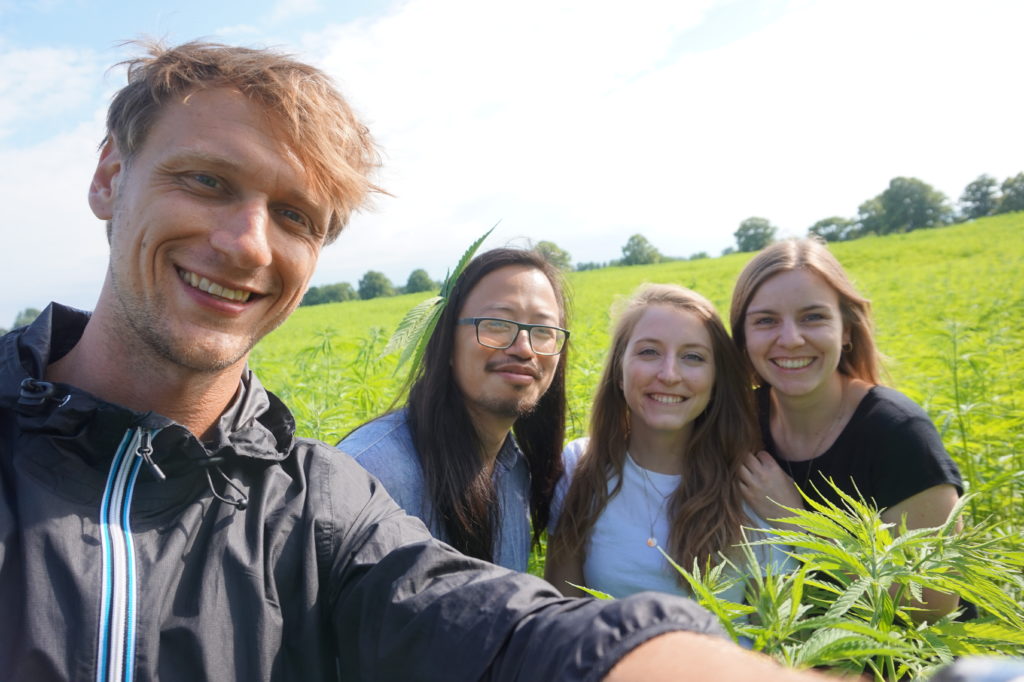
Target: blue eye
column 207, row 180
column 293, row 215
column 693, row 357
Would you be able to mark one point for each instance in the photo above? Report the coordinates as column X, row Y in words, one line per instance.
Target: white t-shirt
column 618, row 559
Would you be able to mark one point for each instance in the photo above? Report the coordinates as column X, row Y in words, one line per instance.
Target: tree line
column 906, row 204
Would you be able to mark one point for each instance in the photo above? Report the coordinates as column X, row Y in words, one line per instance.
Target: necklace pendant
column 651, row 542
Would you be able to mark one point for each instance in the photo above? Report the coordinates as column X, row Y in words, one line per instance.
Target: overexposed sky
column 580, row 122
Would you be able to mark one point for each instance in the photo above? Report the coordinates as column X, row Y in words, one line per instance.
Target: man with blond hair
column 159, row 519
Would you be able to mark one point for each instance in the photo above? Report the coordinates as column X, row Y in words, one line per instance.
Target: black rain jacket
column 302, row 569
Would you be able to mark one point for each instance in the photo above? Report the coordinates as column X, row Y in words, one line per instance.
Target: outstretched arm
column 404, row 606
column 693, row 657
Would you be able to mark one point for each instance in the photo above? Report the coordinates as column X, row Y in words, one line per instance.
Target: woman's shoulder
column 572, row 453
column 885, row 405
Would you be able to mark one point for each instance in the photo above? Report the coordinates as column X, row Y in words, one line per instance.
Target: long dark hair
column 449, row 447
column 706, row 510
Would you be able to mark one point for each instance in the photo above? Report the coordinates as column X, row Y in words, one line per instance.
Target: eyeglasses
column 494, row 332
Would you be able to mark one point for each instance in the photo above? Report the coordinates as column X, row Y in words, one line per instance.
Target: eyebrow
column 187, row 157
column 648, row 339
column 771, row 311
column 510, row 312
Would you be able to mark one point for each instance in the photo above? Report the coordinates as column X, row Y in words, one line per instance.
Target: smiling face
column 508, row 383
column 668, row 370
column 794, row 333
column 214, row 233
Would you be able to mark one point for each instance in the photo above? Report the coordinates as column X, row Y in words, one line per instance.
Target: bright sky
column 580, row 122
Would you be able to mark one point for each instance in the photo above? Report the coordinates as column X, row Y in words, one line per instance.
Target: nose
column 668, row 372
column 789, row 335
column 242, row 235
column 521, row 347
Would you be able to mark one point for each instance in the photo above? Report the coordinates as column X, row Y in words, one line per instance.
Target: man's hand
column 765, row 486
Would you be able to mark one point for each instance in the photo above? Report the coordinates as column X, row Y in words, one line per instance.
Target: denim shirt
column 384, row 447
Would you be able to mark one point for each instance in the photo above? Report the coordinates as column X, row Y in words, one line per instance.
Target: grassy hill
column 948, row 309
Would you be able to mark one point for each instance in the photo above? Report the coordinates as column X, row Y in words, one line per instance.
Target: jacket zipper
column 116, row 649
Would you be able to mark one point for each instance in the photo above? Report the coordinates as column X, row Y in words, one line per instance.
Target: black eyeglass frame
column 522, row 326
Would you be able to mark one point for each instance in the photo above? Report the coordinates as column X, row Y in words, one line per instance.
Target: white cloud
column 39, row 85
column 583, row 124
column 290, row 9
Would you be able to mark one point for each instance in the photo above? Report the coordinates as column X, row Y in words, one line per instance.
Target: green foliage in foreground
column 846, row 605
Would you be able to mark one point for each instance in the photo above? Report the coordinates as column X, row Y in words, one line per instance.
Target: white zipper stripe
column 102, row 660
column 130, row 618
column 116, row 653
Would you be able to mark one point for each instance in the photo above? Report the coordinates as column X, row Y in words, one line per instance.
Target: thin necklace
column 821, row 440
column 652, row 516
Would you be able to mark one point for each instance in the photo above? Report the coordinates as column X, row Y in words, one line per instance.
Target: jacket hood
column 255, row 424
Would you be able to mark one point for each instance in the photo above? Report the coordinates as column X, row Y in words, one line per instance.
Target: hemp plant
column 848, row 604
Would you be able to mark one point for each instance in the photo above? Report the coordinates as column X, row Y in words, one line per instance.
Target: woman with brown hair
column 806, row 334
column 671, row 423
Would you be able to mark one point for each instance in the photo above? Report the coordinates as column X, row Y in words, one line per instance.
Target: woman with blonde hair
column 672, row 421
column 806, row 335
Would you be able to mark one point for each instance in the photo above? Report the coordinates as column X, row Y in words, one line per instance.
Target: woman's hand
column 765, row 486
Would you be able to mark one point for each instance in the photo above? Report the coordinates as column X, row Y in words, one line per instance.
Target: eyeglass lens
column 502, row 334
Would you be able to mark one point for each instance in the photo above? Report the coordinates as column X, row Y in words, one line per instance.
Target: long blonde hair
column 706, row 510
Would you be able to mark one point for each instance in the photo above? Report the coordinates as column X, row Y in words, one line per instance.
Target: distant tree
column 910, row 204
column 754, row 234
column 375, row 284
column 700, row 255
column 590, row 265
column 313, row 296
column 639, row 251
column 340, row 291
column 728, row 250
column 554, row 254
column 26, row 316
column 980, row 198
column 418, row 281
column 834, row 229
column 329, row 293
column 870, row 217
column 1013, row 194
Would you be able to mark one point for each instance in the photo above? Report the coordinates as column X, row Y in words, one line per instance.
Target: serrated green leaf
column 410, row 329
column 598, row 594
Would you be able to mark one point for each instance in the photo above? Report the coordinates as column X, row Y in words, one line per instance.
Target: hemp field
column 949, row 315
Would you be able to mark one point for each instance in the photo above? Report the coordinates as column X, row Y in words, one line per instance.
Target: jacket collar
column 256, row 424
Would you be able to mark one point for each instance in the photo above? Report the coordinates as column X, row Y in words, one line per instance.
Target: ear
column 103, row 189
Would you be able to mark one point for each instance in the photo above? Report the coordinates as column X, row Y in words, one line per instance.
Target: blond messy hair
column 312, row 117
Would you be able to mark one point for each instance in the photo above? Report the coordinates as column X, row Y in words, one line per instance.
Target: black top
column 889, row 451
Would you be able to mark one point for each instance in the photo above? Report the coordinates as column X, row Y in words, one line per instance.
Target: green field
column 949, row 313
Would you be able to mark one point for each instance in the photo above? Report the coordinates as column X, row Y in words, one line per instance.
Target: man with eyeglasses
column 475, row 451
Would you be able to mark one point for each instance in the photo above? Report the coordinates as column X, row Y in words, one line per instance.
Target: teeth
column 203, row 284
column 792, row 363
column 668, row 399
